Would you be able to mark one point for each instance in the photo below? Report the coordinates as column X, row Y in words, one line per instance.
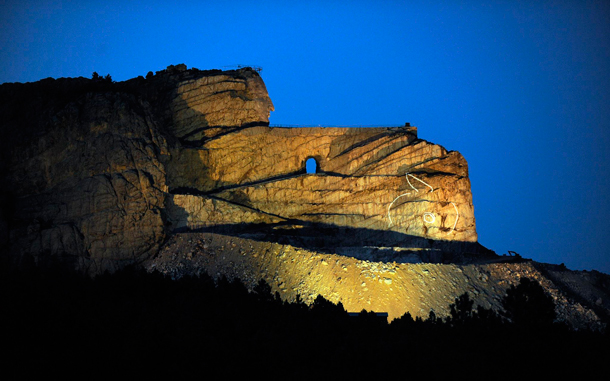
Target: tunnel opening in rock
column 311, row 165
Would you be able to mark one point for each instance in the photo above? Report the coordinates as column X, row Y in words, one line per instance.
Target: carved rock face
column 103, row 174
column 100, row 173
column 212, row 105
column 377, row 179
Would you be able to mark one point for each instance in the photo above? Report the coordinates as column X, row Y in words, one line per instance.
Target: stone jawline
column 227, row 130
column 197, row 192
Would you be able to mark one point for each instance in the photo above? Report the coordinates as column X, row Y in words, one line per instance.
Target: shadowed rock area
column 181, row 172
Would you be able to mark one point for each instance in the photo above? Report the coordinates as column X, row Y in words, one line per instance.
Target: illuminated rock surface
column 181, row 172
column 395, row 288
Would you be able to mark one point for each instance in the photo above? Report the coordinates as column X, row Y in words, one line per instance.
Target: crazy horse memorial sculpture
column 180, row 172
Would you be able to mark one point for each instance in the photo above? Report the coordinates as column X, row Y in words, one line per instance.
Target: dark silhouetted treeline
column 133, row 323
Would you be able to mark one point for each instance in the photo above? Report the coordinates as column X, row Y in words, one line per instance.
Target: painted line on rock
column 407, row 193
column 431, row 217
column 428, row 216
column 421, row 181
column 457, row 217
column 404, row 194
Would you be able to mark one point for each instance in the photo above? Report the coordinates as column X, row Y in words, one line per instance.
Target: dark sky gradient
column 520, row 88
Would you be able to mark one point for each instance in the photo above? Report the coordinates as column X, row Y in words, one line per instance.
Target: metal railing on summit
column 258, row 69
column 340, row 125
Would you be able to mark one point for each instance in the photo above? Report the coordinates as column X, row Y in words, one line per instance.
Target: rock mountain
column 180, row 172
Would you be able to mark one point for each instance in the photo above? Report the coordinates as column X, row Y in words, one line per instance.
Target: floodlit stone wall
column 100, row 173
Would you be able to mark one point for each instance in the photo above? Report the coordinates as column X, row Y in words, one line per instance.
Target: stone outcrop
column 84, row 162
column 181, row 172
column 91, row 187
column 208, row 106
column 382, row 179
column 100, row 173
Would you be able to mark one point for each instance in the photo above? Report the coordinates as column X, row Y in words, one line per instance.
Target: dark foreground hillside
column 133, row 323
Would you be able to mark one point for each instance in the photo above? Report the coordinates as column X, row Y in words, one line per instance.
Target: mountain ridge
column 106, row 174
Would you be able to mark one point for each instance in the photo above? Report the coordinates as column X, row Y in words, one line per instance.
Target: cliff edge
column 99, row 173
column 181, row 172
column 84, row 162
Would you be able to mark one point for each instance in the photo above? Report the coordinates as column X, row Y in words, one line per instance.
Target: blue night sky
column 520, row 88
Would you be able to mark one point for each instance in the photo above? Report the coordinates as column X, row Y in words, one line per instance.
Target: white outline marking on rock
column 404, row 194
column 457, row 217
column 457, row 212
column 431, row 215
